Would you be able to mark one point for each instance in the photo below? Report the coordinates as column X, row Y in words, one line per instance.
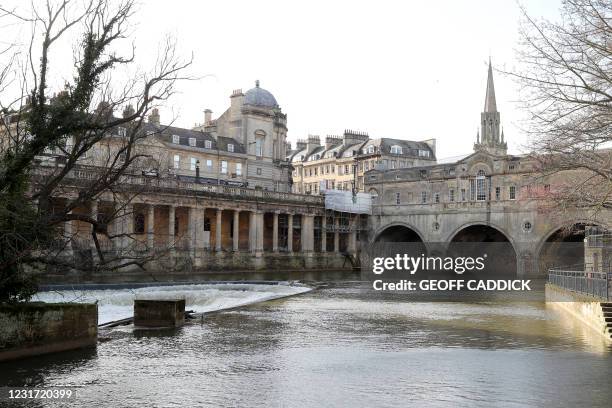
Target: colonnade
column 150, row 226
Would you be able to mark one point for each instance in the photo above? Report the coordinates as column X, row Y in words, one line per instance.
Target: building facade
column 255, row 122
column 341, row 162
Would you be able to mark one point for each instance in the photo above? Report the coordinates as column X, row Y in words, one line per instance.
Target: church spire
column 489, row 140
column 490, row 105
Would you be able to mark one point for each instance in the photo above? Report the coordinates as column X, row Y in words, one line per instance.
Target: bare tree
column 79, row 129
column 566, row 88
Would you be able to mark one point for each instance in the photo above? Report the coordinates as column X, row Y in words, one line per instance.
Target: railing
column 595, row 284
column 92, row 173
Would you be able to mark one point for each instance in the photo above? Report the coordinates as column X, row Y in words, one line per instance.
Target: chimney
column 207, row 116
column 301, row 144
column 154, row 117
column 128, row 111
column 331, row 141
column 313, row 142
column 353, row 137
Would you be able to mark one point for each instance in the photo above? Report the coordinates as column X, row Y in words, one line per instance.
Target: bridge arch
column 477, row 238
column 563, row 245
column 453, row 235
column 401, row 231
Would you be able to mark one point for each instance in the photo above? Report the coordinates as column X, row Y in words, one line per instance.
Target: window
column 208, row 144
column 121, row 131
column 366, row 166
column 346, row 169
column 316, row 169
column 259, row 171
column 139, row 223
column 397, row 198
column 437, row 198
column 497, row 193
column 258, row 148
column 209, row 164
column 511, row 167
column 463, row 194
column 393, row 164
column 546, row 188
column 239, row 169
column 480, row 186
column 396, row 149
column 177, row 161
column 333, row 168
column 230, row 148
column 176, row 139
column 192, row 141
column 223, row 167
column 512, row 191
column 193, row 164
column 370, row 149
column 451, row 195
column 423, row 197
column 423, row 153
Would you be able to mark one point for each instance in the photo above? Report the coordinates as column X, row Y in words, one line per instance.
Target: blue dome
column 260, row 97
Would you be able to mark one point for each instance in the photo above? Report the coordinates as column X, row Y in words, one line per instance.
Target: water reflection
column 343, row 346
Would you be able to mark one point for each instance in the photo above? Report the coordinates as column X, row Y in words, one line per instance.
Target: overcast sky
column 409, row 70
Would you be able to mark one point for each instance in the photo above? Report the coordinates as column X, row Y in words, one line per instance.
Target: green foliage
column 21, row 232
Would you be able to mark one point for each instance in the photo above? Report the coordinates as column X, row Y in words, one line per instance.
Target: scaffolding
column 348, row 202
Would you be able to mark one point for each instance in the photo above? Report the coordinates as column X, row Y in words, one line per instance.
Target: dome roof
column 260, row 97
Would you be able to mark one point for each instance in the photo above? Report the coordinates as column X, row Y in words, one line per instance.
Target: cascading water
column 115, row 304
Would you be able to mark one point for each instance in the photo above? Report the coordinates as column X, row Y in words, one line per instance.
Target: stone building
column 485, row 196
column 256, row 122
column 340, row 163
column 212, row 198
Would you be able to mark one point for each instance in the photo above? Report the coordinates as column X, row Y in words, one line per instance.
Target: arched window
column 481, row 193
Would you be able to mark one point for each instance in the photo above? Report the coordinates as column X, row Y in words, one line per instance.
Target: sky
column 410, row 70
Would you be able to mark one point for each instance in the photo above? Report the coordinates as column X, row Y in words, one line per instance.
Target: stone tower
column 491, row 137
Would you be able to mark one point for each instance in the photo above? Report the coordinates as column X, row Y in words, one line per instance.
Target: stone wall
column 585, row 308
column 29, row 329
column 208, row 265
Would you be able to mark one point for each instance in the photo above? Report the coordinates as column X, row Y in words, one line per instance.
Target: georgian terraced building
column 341, row 162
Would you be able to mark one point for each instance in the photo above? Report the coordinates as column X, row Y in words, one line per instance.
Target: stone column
column 324, row 234
column 275, row 233
column 260, row 232
column 236, row 230
column 218, row 246
column 94, row 216
column 289, row 232
column 336, row 235
column 307, row 233
column 252, row 235
column 68, row 231
column 128, row 225
column 352, row 242
column 151, row 227
column 171, row 228
column 191, row 227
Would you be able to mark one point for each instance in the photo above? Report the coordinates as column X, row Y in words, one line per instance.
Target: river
column 341, row 346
